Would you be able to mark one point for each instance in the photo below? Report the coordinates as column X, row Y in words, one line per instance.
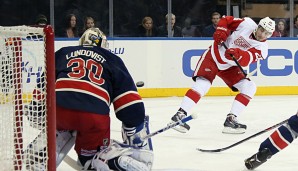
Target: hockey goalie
column 89, row 78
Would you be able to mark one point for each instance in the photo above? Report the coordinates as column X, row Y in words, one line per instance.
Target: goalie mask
column 94, row 37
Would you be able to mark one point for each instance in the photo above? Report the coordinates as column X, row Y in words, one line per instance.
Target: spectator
column 176, row 30
column 147, row 28
column 88, row 23
column 280, row 31
column 41, row 20
column 209, row 30
column 189, row 30
column 70, row 29
column 296, row 26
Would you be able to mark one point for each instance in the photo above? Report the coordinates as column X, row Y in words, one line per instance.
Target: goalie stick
column 169, row 126
column 239, row 142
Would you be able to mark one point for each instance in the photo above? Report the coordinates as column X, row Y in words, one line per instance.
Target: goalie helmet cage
column 27, row 67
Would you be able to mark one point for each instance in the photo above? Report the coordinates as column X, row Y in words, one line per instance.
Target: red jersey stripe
column 83, row 87
column 278, row 141
column 126, row 99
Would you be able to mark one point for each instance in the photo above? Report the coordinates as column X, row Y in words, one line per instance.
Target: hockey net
column 27, row 137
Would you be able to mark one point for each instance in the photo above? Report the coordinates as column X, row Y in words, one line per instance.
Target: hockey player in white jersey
column 246, row 42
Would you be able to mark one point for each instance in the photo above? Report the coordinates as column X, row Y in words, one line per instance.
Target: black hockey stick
column 240, row 67
column 235, row 60
column 239, row 142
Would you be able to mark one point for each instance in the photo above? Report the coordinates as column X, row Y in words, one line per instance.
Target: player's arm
column 243, row 57
column 225, row 25
column 129, row 107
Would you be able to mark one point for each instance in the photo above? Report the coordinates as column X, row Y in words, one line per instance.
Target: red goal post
column 27, row 67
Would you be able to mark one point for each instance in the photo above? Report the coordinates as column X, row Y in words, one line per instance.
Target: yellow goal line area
column 216, row 91
column 180, row 92
column 8, row 98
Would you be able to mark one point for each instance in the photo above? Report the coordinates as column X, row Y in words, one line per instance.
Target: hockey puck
column 140, row 84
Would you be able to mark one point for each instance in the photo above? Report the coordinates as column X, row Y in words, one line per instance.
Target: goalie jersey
column 90, row 79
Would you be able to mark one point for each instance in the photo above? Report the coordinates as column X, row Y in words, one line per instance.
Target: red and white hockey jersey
column 241, row 37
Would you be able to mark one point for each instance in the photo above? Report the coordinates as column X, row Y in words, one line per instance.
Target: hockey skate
column 183, row 128
column 257, row 159
column 232, row 126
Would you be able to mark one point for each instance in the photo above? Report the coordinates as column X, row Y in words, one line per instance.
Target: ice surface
column 175, row 151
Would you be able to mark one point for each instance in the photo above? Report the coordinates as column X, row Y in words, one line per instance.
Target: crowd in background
column 137, row 18
column 147, row 27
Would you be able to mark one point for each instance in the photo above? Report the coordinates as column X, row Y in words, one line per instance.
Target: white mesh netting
column 23, row 138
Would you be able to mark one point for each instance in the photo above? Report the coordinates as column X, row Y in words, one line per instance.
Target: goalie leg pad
column 94, row 165
column 121, row 157
column 130, row 164
column 113, row 151
column 144, row 156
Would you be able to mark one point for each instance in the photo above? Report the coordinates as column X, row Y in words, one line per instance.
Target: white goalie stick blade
column 64, row 149
column 72, row 163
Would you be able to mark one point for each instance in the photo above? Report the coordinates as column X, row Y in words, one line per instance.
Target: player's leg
column 236, row 80
column 203, row 76
column 277, row 141
column 93, row 131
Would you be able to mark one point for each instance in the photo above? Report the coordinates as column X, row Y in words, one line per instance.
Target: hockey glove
column 35, row 112
column 241, row 56
column 220, row 35
column 129, row 134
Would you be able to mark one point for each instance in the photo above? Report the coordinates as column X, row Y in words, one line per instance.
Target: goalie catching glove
column 133, row 135
column 35, row 112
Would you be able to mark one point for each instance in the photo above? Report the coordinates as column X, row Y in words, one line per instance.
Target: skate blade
column 180, row 129
column 229, row 130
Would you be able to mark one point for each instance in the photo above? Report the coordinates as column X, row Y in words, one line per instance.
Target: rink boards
column 166, row 65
